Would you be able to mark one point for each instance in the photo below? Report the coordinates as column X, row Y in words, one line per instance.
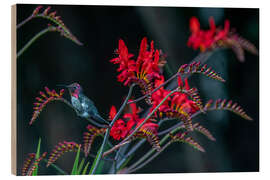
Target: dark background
column 53, row 60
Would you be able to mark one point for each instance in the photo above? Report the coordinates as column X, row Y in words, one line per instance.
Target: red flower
column 132, row 117
column 125, row 126
column 178, row 105
column 126, row 65
column 189, row 107
column 206, row 39
column 149, row 126
column 159, row 95
column 119, row 129
column 145, row 71
column 180, row 100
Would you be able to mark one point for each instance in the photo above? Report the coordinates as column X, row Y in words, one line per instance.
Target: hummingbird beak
column 62, row 85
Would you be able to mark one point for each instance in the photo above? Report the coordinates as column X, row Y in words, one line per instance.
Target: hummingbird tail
column 100, row 119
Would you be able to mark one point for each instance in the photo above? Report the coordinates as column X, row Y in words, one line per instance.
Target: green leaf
column 94, row 163
column 125, row 163
column 85, row 168
column 100, row 166
column 35, row 172
column 80, row 166
column 76, row 162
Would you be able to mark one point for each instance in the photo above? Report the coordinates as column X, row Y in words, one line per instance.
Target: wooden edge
column 13, row 91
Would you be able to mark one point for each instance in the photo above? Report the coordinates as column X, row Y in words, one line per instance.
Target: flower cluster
column 129, row 121
column 206, row 39
column 147, row 74
column 145, row 71
column 218, row 37
column 178, row 105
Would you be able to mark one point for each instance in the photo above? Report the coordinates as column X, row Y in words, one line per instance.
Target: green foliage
column 75, row 164
column 85, row 168
column 35, row 172
column 81, row 166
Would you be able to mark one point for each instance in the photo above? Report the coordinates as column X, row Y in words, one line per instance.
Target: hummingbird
column 84, row 106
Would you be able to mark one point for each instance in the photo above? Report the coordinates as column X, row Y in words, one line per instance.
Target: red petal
column 112, row 112
column 156, row 57
column 212, row 24
column 194, row 25
column 186, row 85
column 180, row 82
column 226, row 26
column 143, row 48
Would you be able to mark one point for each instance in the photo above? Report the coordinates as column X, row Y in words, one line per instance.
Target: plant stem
column 131, row 151
column 150, row 114
column 202, row 57
column 173, row 129
column 170, row 129
column 126, row 140
column 150, row 159
column 157, row 88
column 29, row 43
column 151, row 151
column 24, row 22
column 137, row 146
column 109, row 129
column 115, row 148
column 56, row 167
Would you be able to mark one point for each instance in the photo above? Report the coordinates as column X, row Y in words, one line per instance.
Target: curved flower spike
column 30, row 164
column 182, row 137
column 51, row 16
column 196, row 67
column 89, row 137
column 60, row 149
column 224, row 105
column 44, row 100
column 204, row 131
column 239, row 44
column 149, row 131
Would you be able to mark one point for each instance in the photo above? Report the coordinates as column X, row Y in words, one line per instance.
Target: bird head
column 74, row 89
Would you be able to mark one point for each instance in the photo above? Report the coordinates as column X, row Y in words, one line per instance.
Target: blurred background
column 53, row 60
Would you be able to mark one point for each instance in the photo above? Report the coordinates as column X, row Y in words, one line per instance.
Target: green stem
column 157, row 88
column 202, row 57
column 24, row 22
column 56, row 167
column 137, row 146
column 149, row 115
column 99, row 155
column 170, row 129
column 150, row 159
column 131, row 151
column 29, row 43
column 151, row 151
column 173, row 129
column 126, row 140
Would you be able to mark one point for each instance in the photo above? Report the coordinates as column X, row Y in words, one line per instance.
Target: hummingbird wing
column 89, row 106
